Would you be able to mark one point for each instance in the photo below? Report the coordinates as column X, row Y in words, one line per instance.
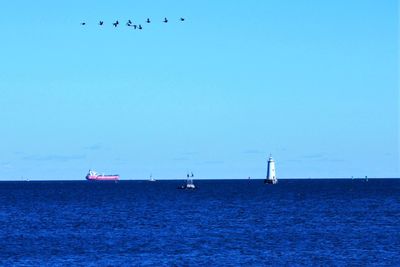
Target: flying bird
column 130, row 23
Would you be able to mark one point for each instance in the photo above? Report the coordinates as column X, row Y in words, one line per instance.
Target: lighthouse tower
column 271, row 175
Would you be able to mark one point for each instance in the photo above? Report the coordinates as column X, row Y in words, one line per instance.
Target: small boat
column 189, row 183
column 151, row 179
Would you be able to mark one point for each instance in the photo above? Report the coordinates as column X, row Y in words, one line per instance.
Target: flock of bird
column 129, row 23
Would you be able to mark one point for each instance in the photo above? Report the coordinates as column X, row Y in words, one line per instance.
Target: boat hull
column 188, row 187
column 102, row 177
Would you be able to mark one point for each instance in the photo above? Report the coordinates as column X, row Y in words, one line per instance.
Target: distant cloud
column 314, row 156
column 294, row 160
column 334, row 160
column 253, row 151
column 190, row 153
column 94, row 147
column 318, row 157
column 212, row 162
column 5, row 165
column 53, row 157
column 185, row 156
column 180, row 158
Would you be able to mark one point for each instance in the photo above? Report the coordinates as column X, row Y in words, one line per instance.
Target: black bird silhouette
column 148, row 20
column 129, row 21
column 140, row 27
column 83, row 23
column 116, row 23
column 165, row 20
column 101, row 22
column 182, row 19
column 134, row 26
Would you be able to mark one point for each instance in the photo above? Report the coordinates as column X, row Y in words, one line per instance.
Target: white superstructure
column 189, row 182
column 93, row 173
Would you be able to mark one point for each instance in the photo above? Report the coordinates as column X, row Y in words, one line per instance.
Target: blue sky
column 313, row 83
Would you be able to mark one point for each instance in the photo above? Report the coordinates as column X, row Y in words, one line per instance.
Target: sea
column 297, row 222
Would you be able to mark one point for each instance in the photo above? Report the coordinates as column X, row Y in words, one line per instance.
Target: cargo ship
column 94, row 176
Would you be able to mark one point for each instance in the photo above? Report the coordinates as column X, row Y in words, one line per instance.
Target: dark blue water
column 296, row 222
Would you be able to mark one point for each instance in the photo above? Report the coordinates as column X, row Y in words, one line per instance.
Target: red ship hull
column 102, row 177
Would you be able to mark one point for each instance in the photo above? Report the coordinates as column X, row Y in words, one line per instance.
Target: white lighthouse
column 271, row 175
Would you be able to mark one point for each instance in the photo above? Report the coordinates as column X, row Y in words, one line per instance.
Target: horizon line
column 202, row 179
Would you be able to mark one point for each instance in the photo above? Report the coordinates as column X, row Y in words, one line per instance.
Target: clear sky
column 315, row 83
